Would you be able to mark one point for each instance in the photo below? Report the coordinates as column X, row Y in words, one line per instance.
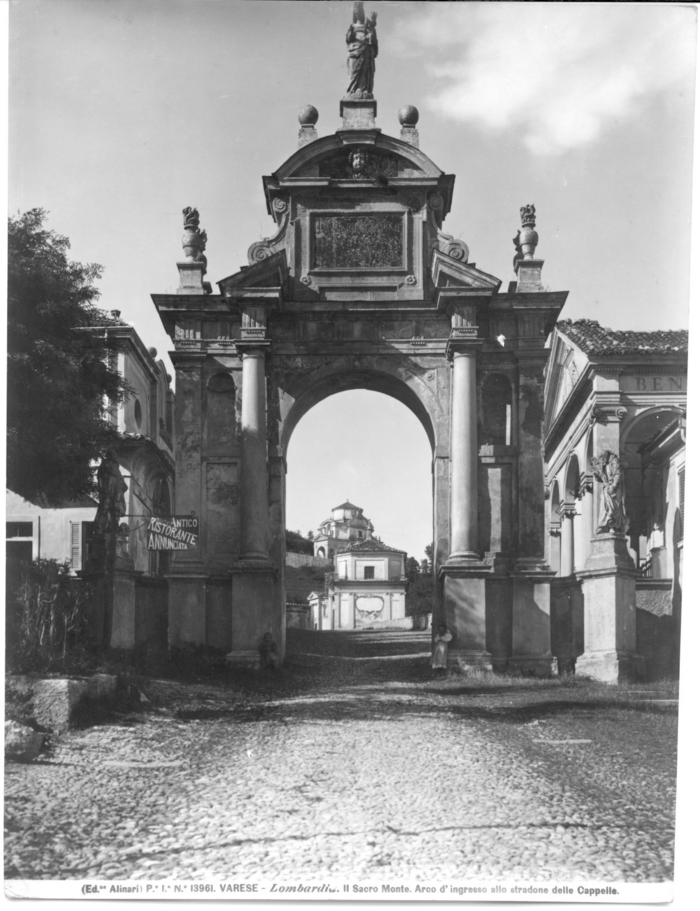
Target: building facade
column 145, row 454
column 367, row 588
column 625, row 393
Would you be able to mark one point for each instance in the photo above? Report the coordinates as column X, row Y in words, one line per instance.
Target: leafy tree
column 297, row 544
column 419, row 593
column 60, row 376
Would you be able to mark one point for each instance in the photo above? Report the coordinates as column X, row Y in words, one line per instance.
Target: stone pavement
column 355, row 766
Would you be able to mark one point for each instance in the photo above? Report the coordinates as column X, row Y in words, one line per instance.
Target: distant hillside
column 303, row 580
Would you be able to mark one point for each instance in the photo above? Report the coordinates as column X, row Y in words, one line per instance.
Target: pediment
column 450, row 272
column 267, row 274
column 330, row 157
column 563, row 374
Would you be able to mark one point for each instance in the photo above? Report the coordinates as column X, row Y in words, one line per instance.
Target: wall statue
column 111, row 488
column 613, row 515
column 362, row 45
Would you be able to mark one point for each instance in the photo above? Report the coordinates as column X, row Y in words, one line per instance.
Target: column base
column 535, row 666
column 610, row 666
column 470, row 663
column 247, row 659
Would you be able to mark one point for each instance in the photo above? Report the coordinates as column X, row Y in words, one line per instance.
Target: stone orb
column 308, row 115
column 153, row 352
column 408, row 116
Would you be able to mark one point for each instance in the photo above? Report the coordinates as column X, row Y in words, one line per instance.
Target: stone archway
column 360, row 287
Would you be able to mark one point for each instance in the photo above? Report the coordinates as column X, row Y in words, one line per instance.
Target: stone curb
column 56, row 701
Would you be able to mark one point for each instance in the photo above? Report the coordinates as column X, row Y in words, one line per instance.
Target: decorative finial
column 408, row 118
column 194, row 240
column 527, row 238
column 308, row 116
column 361, row 40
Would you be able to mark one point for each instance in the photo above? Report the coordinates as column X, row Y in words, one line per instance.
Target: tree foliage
column 296, row 543
column 419, row 594
column 60, row 376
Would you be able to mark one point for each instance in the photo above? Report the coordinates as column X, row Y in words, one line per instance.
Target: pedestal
column 255, row 611
column 464, row 604
column 187, row 613
column 609, row 607
column 124, row 617
column 532, row 651
column 358, row 114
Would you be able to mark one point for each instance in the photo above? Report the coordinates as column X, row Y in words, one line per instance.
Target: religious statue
column 362, row 45
column 111, row 506
column 613, row 515
column 111, row 488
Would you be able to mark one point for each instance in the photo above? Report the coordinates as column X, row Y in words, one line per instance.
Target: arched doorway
column 367, row 452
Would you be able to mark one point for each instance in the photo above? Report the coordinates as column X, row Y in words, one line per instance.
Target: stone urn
column 528, row 241
column 527, row 236
column 192, row 244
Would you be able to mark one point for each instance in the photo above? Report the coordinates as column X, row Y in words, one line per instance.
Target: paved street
column 353, row 762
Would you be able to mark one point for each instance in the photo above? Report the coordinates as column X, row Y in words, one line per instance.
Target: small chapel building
column 366, row 589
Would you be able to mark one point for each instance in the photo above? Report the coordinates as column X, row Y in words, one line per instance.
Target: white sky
column 122, row 112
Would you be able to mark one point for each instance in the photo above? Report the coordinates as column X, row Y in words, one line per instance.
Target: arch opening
column 359, row 471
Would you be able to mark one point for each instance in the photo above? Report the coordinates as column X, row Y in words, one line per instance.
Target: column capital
column 253, row 344
column 463, row 340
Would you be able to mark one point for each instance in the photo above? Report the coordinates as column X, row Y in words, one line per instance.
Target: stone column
column 187, row 579
column 567, row 513
column 254, row 505
column 463, row 577
column 464, row 448
column 256, row 607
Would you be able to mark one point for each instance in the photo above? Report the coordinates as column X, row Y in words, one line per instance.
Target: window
column 19, row 545
column 681, row 498
column 369, row 572
column 496, row 397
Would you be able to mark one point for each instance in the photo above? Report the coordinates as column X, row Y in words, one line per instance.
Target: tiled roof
column 107, row 319
column 592, row 338
column 371, row 545
column 346, row 505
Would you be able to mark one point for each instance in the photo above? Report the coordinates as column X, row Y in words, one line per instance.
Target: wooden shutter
column 681, row 496
column 75, row 545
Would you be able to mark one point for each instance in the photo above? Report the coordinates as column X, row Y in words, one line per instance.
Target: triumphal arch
column 360, row 287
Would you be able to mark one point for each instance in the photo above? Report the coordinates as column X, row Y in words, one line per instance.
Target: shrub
column 47, row 620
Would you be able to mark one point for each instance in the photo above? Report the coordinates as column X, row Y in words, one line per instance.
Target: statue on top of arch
column 361, row 40
column 613, row 515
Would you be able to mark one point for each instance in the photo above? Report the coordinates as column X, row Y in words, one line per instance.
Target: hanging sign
column 173, row 532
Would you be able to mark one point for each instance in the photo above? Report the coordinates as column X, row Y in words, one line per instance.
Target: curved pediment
column 331, row 157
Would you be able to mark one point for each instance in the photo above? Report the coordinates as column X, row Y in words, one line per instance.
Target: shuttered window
column 75, row 545
column 681, row 496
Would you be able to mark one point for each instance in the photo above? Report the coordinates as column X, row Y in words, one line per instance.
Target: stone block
column 22, row 744
column 465, row 616
column 358, row 114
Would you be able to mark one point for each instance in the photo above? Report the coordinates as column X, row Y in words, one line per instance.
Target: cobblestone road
column 353, row 767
